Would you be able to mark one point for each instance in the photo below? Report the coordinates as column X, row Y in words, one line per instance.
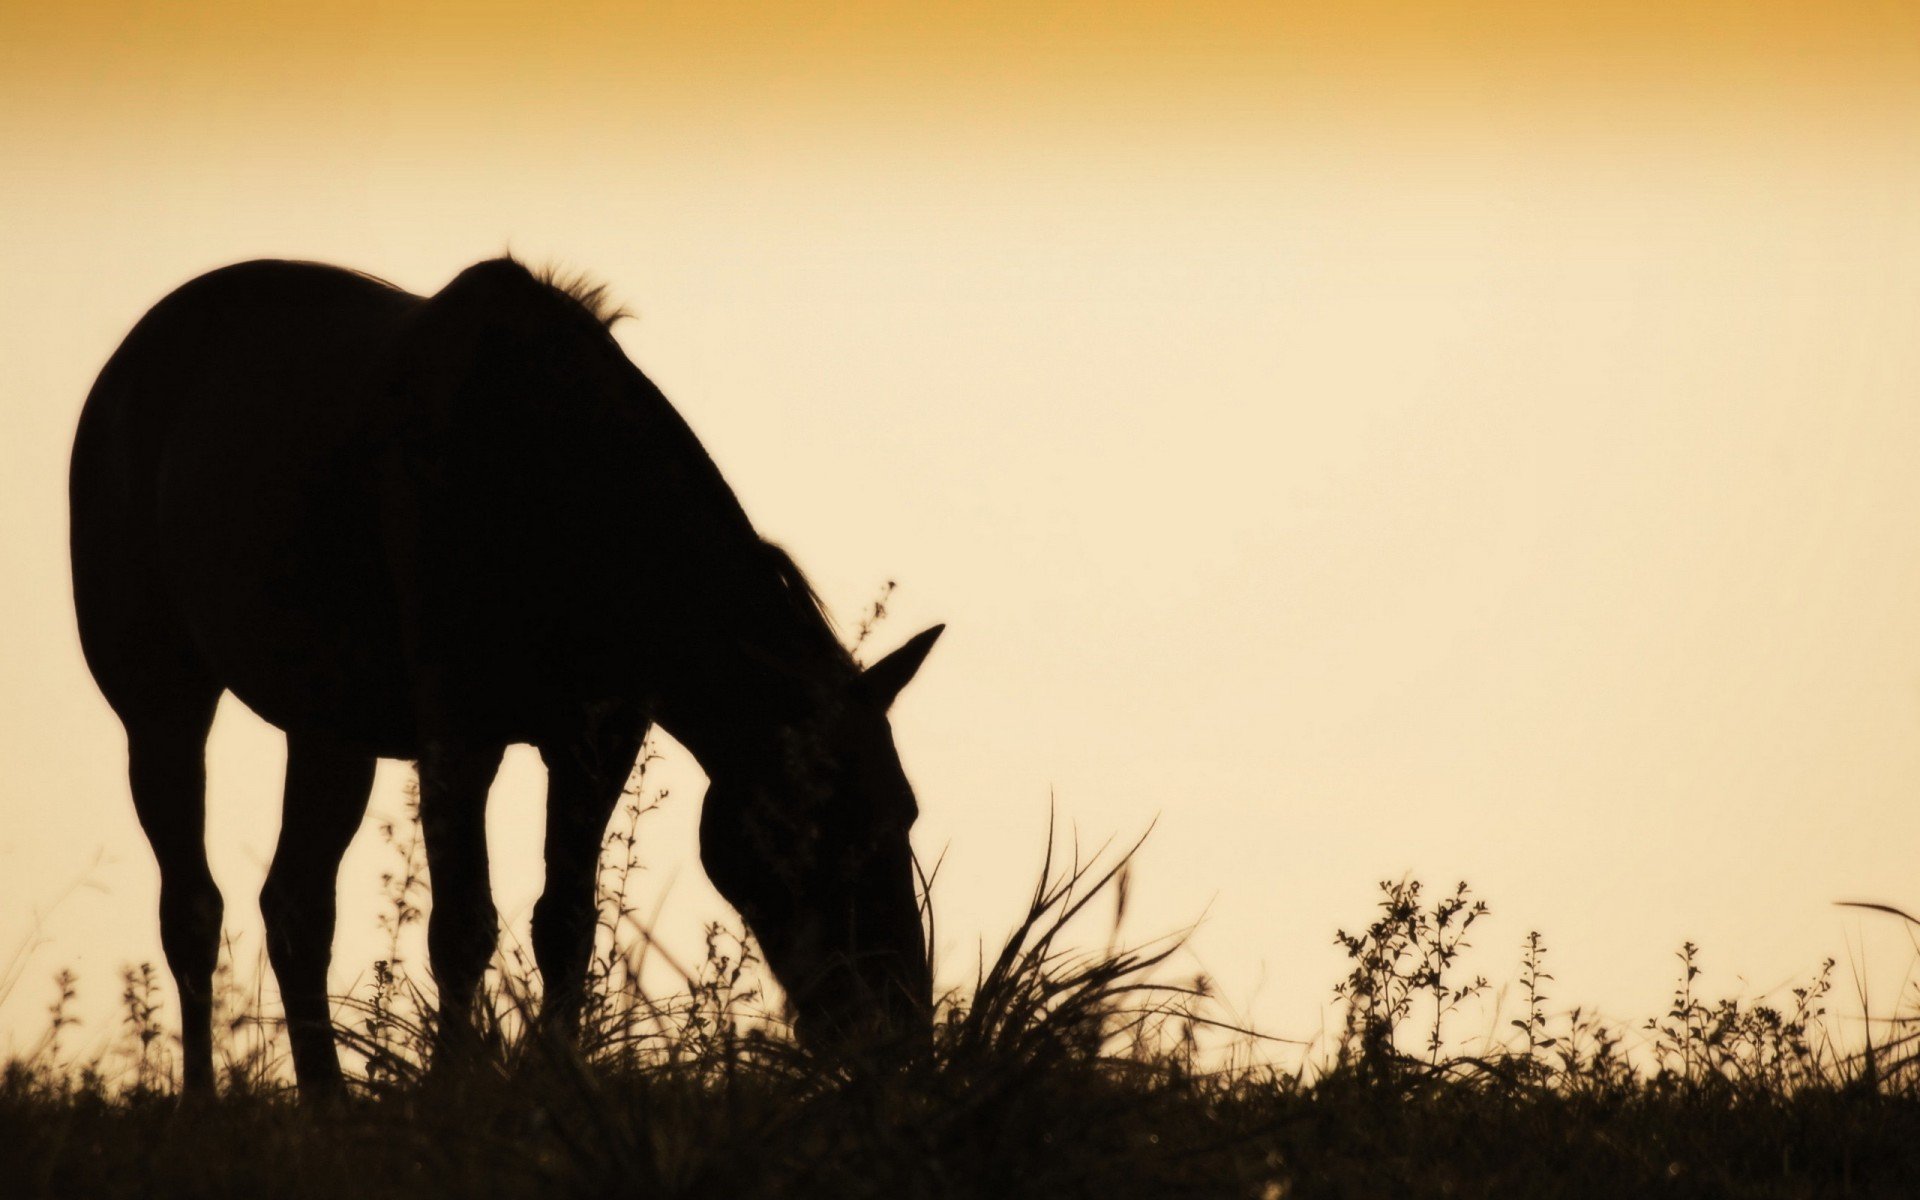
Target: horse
column 428, row 528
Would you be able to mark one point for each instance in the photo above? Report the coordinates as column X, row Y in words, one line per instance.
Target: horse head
column 809, row 841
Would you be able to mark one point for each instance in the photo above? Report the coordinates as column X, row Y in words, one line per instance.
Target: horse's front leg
column 462, row 927
column 586, row 775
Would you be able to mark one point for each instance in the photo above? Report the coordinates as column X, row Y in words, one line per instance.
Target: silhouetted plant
column 615, row 995
column 1533, row 1026
column 1750, row 1046
column 60, row 1015
column 387, row 1026
column 875, row 613
column 1404, row 955
column 1591, row 1057
column 245, row 1036
column 1040, row 1001
column 141, row 1003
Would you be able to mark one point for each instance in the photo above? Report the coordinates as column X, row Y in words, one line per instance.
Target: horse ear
column 883, row 680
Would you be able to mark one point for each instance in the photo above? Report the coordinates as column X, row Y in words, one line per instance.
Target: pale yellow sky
column 1444, row 438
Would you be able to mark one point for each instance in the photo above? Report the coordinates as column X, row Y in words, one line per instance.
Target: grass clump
column 1062, row 1070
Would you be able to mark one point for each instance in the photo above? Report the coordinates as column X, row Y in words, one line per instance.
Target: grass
column 1061, row 1072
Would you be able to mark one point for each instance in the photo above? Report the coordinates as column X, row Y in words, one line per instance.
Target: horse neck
column 741, row 650
column 733, row 705
column 752, row 665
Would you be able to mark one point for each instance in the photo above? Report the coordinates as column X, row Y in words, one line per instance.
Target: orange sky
column 1474, row 438
column 989, row 60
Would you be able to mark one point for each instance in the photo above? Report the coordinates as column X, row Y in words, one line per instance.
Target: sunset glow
column 1468, row 438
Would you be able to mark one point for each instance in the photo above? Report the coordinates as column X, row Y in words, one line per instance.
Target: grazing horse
column 431, row 527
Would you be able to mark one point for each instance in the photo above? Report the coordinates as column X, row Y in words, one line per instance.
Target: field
column 1061, row 1072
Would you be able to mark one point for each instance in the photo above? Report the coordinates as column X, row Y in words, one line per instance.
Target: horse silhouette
column 429, row 528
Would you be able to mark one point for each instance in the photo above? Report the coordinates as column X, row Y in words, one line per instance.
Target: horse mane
column 586, row 293
column 781, row 592
column 798, row 591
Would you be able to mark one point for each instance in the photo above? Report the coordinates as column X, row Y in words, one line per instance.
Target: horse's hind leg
column 326, row 797
column 166, row 768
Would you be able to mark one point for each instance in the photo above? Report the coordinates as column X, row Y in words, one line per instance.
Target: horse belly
column 283, row 588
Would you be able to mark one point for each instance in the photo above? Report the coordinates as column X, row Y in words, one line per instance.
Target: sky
column 1467, row 439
